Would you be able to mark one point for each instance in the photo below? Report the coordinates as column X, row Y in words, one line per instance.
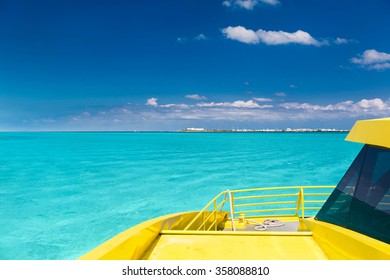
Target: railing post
column 201, row 212
column 302, row 203
column 231, row 198
column 298, row 202
column 215, row 214
column 233, row 204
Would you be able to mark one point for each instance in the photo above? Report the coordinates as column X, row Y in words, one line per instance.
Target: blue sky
column 167, row 65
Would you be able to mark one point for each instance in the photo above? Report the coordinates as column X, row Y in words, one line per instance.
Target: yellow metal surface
column 340, row 243
column 252, row 220
column 297, row 200
column 237, row 233
column 373, row 132
column 134, row 242
column 257, row 202
column 236, row 247
column 198, row 235
column 138, row 241
column 204, row 218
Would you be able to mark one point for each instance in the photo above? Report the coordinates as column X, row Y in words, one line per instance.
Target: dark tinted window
column 361, row 201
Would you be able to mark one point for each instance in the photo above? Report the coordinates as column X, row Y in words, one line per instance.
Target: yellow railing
column 261, row 202
column 208, row 216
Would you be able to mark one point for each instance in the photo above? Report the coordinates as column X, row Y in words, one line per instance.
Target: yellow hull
column 134, row 243
column 339, row 243
column 163, row 239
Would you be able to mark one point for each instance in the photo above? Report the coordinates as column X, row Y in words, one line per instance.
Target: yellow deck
column 210, row 235
column 230, row 247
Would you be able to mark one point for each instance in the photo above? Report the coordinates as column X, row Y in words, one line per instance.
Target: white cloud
column 236, row 104
column 373, row 60
column 281, row 37
column 195, row 97
column 201, row 37
column 341, row 41
column 281, row 94
column 261, row 99
column 296, row 106
column 371, row 56
column 248, row 36
column 248, row 4
column 371, row 106
column 182, row 106
column 380, row 66
column 250, row 104
column 132, row 115
column 227, row 3
column 245, row 104
column 152, row 102
column 271, row 2
column 222, row 114
column 251, row 111
column 376, row 104
column 241, row 34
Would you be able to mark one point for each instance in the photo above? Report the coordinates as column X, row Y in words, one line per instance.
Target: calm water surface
column 62, row 194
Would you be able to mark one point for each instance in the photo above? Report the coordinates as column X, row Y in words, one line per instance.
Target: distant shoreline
column 288, row 130
column 186, row 130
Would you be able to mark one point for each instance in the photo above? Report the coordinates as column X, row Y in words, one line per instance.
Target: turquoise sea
column 62, row 194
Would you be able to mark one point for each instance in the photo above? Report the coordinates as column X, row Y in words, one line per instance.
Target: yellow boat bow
column 350, row 221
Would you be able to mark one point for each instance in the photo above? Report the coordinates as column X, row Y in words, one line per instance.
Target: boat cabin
column 361, row 201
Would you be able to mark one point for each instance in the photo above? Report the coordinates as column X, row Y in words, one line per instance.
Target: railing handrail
column 229, row 195
column 204, row 210
column 281, row 188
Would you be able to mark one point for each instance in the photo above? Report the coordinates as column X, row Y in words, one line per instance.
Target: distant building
column 197, row 129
